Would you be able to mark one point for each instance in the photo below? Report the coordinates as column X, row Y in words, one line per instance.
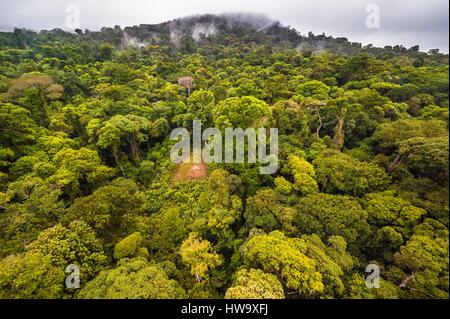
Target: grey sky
column 407, row 22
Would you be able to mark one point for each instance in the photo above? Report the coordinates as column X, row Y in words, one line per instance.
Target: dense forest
column 86, row 178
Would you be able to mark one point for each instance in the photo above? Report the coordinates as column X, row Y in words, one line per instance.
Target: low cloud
column 403, row 22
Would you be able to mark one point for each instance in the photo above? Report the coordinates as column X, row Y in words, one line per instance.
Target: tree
column 167, row 231
column 340, row 173
column 315, row 106
column 188, row 83
column 33, row 205
column 30, row 276
column 295, row 270
column 200, row 104
column 255, row 284
column 198, row 254
column 40, row 271
column 427, row 157
column 392, row 219
column 17, row 127
column 130, row 130
column 283, row 186
column 424, row 259
column 426, row 194
column 389, row 135
column 121, row 282
column 290, row 118
column 304, row 175
column 263, row 210
column 219, row 208
column 130, row 246
column 111, row 209
column 75, row 244
column 331, row 262
column 33, row 90
column 358, row 67
column 243, row 112
column 384, row 209
column 356, row 289
column 314, row 89
column 79, row 171
column 327, row 215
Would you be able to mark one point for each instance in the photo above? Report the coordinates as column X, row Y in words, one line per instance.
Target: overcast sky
column 406, row 22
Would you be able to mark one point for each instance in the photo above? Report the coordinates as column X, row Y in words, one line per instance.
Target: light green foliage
column 40, row 271
column 200, row 105
column 255, row 284
column 198, row 254
column 304, row 175
column 4, row 198
column 78, row 170
column 130, row 246
column 330, row 270
column 426, row 194
column 283, row 186
column 130, row 130
column 30, row 276
column 290, row 118
column 356, row 289
column 337, row 250
column 275, row 253
column 390, row 134
column 384, row 209
column 427, row 157
column 17, row 127
column 266, row 211
column 35, row 206
column 241, row 112
column 340, row 173
column 425, row 258
column 219, row 208
column 76, row 244
column 121, row 282
column 314, row 89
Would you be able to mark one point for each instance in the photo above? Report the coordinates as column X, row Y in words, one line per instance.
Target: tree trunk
column 397, row 161
column 320, row 123
column 116, row 159
column 407, row 280
column 134, row 150
column 339, row 132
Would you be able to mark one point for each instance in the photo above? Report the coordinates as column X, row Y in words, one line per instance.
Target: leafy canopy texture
column 255, row 284
column 87, row 180
column 121, row 283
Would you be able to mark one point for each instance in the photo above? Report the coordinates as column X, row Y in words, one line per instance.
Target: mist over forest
column 88, row 188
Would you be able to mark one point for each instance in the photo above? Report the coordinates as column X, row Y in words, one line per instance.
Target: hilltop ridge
column 187, row 34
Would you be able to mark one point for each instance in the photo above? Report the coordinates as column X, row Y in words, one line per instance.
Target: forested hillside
column 86, row 177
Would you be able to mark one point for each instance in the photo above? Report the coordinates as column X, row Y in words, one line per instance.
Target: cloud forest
column 93, row 207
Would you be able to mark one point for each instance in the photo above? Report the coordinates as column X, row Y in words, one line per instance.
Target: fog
column 406, row 22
